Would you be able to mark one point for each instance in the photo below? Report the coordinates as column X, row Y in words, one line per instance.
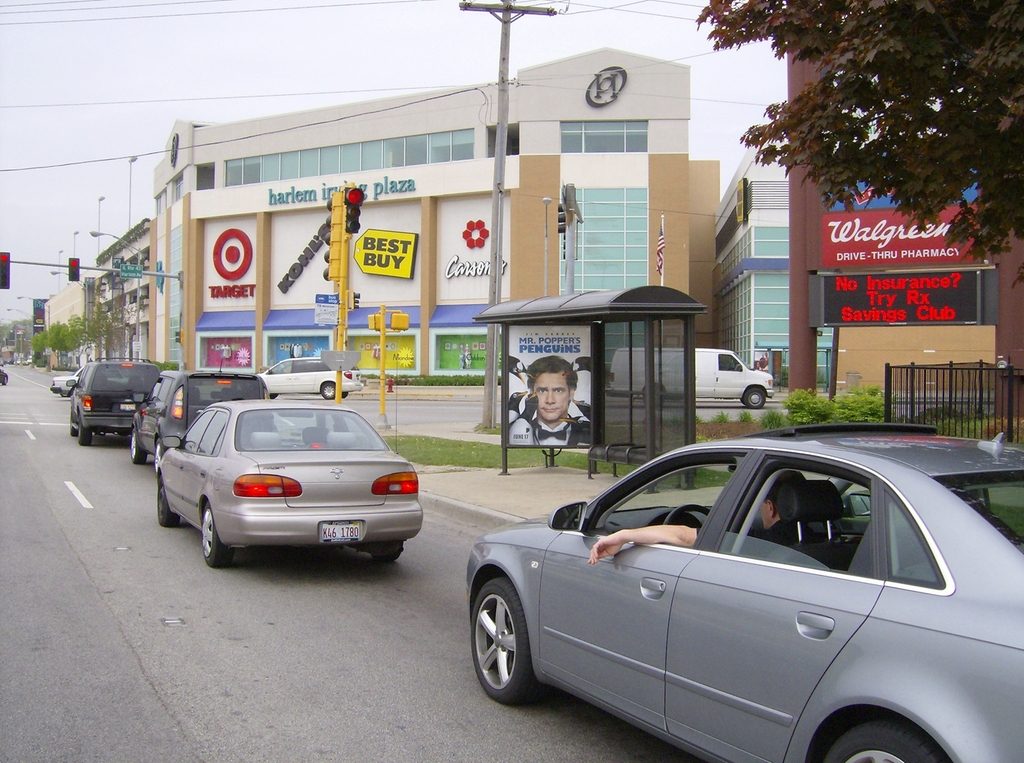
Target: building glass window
column 372, row 154
column 309, row 162
column 290, row 165
column 771, row 241
column 604, row 137
column 178, row 188
column 233, row 172
column 417, row 150
column 394, row 152
column 462, row 145
column 330, row 160
column 612, row 244
column 351, row 160
column 251, row 169
column 204, row 177
column 440, row 147
column 271, row 167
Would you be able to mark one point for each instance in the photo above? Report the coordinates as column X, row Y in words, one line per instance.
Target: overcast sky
column 85, row 84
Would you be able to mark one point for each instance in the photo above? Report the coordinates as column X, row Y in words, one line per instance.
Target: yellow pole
column 341, row 284
column 382, row 317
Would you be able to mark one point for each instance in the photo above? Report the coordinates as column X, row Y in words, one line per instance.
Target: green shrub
column 745, row 417
column 720, row 418
column 774, row 420
column 462, row 380
column 805, row 407
column 861, row 404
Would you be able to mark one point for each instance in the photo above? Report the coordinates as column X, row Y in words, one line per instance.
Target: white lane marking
column 30, row 435
column 23, row 422
column 78, row 495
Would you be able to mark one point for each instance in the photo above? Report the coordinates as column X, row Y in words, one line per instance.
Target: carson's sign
column 387, row 253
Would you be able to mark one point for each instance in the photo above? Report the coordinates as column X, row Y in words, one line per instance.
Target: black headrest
column 311, row 435
column 809, row 501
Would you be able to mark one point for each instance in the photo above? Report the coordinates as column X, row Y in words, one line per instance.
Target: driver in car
column 771, row 528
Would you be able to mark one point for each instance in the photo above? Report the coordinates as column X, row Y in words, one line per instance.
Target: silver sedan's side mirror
column 568, row 517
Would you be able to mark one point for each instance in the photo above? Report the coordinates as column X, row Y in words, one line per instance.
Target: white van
column 720, row 374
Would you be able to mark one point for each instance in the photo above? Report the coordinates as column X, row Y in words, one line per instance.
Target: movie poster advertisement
column 549, row 386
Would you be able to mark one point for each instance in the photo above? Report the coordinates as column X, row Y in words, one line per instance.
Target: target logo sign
column 232, row 254
column 232, row 258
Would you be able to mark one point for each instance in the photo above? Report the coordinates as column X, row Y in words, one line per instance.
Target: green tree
column 920, row 98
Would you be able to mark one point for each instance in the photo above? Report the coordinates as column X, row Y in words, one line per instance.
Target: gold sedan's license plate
column 341, row 532
column 127, row 406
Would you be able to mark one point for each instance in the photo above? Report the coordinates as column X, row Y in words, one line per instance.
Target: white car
column 61, row 385
column 307, row 375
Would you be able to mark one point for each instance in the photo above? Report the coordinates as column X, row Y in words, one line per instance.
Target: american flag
column 660, row 252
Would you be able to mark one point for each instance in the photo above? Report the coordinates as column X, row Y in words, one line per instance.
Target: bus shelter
column 611, row 372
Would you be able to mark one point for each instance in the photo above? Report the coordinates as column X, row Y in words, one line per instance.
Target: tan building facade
column 240, row 208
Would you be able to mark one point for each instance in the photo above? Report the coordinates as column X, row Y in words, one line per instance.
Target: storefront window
column 226, row 351
column 307, row 346
column 461, row 352
column 399, row 353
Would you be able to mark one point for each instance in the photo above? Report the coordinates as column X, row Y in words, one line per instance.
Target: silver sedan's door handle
column 814, row 626
column 652, row 588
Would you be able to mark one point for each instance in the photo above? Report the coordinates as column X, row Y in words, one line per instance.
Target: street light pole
column 138, row 281
column 99, row 223
column 547, row 201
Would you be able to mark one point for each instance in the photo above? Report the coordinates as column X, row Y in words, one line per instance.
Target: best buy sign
column 387, row 253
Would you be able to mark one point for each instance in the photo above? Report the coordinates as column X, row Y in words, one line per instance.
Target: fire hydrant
column 390, row 385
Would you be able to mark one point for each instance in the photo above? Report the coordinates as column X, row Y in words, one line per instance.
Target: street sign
column 131, row 271
column 340, row 360
column 325, row 311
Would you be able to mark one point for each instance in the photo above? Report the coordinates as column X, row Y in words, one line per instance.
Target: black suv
column 176, row 399
column 106, row 395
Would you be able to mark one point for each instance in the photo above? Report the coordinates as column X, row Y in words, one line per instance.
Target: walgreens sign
column 886, row 238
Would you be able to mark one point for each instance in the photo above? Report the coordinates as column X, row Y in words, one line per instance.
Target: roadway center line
column 78, row 494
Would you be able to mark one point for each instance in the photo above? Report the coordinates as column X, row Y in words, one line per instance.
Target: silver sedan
column 292, row 473
column 845, row 594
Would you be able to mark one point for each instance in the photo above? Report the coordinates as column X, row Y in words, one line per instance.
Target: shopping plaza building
column 240, row 209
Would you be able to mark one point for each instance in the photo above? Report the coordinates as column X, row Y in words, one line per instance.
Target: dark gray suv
column 106, row 395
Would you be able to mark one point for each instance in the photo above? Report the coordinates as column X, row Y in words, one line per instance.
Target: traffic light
column 5, row 270
column 353, row 300
column 337, row 243
column 374, row 321
column 354, row 198
column 561, row 219
column 399, row 321
column 74, row 270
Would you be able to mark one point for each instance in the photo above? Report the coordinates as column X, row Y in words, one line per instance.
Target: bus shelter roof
column 595, row 306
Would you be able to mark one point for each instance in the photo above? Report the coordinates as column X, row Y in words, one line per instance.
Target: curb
column 467, row 512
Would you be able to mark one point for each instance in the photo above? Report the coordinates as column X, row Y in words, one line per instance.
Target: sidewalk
column 486, row 496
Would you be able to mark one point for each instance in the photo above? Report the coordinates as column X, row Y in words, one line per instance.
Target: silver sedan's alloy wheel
column 874, row 756
column 495, row 641
column 501, row 644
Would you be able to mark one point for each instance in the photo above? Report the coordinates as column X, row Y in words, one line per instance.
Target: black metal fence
column 977, row 400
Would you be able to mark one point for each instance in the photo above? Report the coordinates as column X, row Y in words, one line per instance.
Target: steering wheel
column 686, row 515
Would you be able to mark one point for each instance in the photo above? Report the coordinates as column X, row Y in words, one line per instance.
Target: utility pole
column 506, row 12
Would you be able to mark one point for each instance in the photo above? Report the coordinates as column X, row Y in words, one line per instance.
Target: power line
column 369, row 112
column 355, row 4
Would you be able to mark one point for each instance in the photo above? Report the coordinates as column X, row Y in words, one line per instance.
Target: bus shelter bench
column 615, row 453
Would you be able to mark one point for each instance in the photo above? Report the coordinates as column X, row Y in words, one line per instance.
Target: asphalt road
column 117, row 643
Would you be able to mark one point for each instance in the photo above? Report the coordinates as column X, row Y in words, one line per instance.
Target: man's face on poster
column 553, row 395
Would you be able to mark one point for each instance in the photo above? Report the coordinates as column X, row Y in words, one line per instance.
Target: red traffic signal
column 5, row 270
column 354, row 198
column 74, row 265
column 355, row 195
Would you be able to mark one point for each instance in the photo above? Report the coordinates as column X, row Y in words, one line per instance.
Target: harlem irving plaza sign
column 919, row 298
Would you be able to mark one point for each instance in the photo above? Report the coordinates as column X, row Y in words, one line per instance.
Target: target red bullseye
column 232, row 254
